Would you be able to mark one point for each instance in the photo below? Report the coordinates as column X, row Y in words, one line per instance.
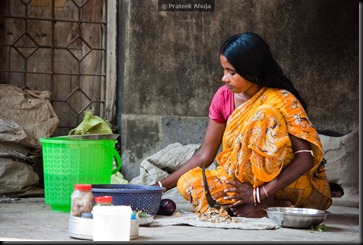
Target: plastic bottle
column 111, row 223
column 134, row 227
column 103, row 201
column 81, row 199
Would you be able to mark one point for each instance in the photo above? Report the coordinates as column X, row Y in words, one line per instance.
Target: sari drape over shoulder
column 256, row 147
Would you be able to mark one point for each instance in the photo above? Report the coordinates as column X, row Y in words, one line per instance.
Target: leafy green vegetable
column 140, row 214
column 91, row 124
column 320, row 227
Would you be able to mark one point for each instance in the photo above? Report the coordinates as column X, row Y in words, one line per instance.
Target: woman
column 271, row 154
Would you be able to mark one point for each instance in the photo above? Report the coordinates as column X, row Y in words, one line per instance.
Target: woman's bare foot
column 248, row 210
column 282, row 203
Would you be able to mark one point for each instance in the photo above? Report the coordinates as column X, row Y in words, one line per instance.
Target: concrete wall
column 169, row 69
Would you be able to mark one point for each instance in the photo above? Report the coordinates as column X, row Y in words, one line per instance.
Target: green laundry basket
column 75, row 161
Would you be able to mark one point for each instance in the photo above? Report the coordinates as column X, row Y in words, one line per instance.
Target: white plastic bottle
column 111, row 223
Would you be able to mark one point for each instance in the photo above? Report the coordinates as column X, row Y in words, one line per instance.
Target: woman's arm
column 301, row 163
column 207, row 152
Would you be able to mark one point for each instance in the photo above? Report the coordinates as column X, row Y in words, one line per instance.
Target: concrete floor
column 30, row 219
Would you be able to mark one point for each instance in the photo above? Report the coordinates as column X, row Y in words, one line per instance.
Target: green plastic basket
column 75, row 161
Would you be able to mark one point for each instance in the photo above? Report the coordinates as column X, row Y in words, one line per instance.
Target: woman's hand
column 244, row 205
column 241, row 192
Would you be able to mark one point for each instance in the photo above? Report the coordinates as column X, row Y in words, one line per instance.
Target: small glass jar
column 103, row 201
column 81, row 199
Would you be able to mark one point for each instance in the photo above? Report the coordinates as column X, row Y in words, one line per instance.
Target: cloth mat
column 191, row 219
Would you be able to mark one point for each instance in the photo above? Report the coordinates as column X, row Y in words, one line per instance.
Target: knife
column 211, row 202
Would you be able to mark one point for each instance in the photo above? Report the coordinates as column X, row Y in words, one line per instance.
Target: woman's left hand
column 244, row 205
column 242, row 193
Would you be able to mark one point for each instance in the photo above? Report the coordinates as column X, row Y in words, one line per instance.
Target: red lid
column 103, row 199
column 83, row 187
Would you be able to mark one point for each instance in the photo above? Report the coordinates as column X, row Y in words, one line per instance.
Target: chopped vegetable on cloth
column 232, row 223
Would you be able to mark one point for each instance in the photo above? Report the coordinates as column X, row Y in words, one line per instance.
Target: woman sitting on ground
column 271, row 154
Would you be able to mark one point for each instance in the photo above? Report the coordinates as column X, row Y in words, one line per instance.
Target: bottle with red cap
column 103, row 201
column 81, row 199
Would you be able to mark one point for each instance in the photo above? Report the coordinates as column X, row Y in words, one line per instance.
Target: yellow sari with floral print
column 256, row 147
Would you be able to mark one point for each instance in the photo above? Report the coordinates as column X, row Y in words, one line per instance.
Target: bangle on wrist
column 258, row 195
column 264, row 190
column 159, row 184
column 254, row 196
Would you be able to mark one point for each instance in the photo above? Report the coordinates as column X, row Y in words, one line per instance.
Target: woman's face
column 234, row 81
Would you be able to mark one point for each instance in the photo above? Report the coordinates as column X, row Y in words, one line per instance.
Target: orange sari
column 256, row 147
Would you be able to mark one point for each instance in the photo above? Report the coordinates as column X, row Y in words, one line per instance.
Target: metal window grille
column 57, row 46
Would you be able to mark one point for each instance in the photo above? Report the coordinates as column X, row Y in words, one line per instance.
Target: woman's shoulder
column 224, row 91
column 281, row 93
column 223, row 95
column 222, row 105
column 285, row 100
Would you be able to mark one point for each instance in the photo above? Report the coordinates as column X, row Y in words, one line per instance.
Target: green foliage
column 140, row 214
column 320, row 228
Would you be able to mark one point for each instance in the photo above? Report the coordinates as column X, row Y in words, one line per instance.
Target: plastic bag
column 92, row 124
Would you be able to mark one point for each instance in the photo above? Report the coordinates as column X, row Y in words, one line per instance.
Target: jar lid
column 103, row 199
column 83, row 187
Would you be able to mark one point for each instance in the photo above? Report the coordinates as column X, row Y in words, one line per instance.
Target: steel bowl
column 301, row 218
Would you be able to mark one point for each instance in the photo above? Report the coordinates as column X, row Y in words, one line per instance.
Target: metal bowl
column 301, row 218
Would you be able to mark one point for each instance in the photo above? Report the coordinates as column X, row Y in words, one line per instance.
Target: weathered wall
column 169, row 68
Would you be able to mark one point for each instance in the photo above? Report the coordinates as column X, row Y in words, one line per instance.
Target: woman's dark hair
column 250, row 55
